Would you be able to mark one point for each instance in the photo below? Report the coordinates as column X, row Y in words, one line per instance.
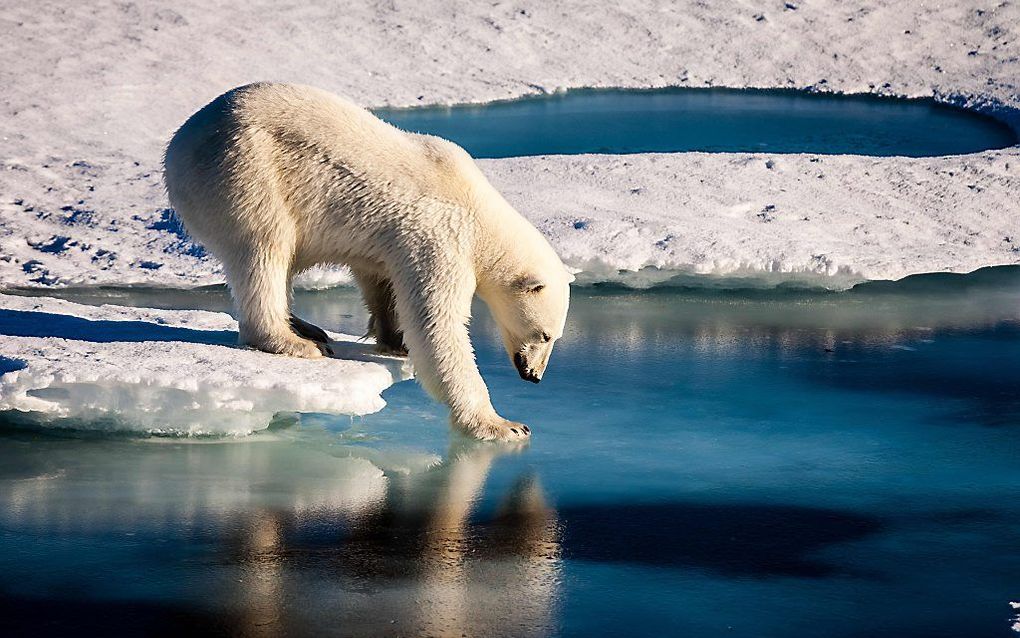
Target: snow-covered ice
column 825, row 220
column 93, row 91
column 169, row 371
column 100, row 86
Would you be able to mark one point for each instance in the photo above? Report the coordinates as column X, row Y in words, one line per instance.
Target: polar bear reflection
column 280, row 537
column 429, row 568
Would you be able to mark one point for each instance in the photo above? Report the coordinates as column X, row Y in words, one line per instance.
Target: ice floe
column 169, row 371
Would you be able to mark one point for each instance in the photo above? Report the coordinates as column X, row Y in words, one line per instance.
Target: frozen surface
column 168, row 371
column 768, row 219
column 99, row 87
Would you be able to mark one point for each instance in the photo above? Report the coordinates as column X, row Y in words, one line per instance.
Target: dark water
column 711, row 120
column 704, row 464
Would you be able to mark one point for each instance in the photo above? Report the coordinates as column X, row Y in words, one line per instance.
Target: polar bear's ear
column 530, row 283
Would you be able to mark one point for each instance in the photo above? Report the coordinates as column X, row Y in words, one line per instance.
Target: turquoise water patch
column 705, row 463
column 709, row 120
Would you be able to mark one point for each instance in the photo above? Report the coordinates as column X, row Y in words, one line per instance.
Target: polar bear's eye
column 546, row 338
column 529, row 284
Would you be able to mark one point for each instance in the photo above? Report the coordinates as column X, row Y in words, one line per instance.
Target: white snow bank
column 99, row 87
column 722, row 219
column 169, row 371
column 821, row 220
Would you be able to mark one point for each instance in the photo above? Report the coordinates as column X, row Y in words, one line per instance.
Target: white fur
column 276, row 178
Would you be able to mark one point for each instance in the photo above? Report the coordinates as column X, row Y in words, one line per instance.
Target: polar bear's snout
column 531, row 313
column 527, row 372
column 532, row 360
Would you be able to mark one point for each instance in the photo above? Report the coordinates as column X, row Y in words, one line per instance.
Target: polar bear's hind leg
column 259, row 270
column 377, row 292
column 261, row 291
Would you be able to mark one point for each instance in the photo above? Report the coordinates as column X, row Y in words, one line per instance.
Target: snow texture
column 169, row 371
column 98, row 88
column 767, row 219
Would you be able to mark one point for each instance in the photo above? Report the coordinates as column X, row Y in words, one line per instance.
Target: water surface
column 704, row 464
column 711, row 120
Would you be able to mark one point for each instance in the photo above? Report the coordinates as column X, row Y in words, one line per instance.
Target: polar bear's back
column 300, row 121
column 319, row 140
column 308, row 116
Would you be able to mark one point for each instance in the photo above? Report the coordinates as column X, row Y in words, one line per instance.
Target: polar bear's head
column 531, row 310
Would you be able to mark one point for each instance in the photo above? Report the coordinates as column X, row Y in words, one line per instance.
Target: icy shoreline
column 83, row 127
column 168, row 371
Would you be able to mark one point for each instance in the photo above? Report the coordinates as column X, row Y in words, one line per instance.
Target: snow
column 768, row 219
column 99, row 87
column 169, row 371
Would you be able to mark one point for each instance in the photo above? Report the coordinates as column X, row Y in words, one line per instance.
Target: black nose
column 522, row 369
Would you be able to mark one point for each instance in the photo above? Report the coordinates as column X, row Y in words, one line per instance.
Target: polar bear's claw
column 498, row 429
column 308, row 330
column 510, row 431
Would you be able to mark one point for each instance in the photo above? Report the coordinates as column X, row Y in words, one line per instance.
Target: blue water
column 711, row 120
column 703, row 464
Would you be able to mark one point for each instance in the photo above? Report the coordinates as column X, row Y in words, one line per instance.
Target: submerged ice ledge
column 168, row 371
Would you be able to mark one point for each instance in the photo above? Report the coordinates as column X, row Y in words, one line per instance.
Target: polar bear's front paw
column 496, row 428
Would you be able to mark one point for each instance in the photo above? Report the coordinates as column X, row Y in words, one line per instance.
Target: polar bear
column 276, row 178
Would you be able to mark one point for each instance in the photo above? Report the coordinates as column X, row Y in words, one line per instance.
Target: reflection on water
column 288, row 533
column 629, row 320
column 704, row 463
